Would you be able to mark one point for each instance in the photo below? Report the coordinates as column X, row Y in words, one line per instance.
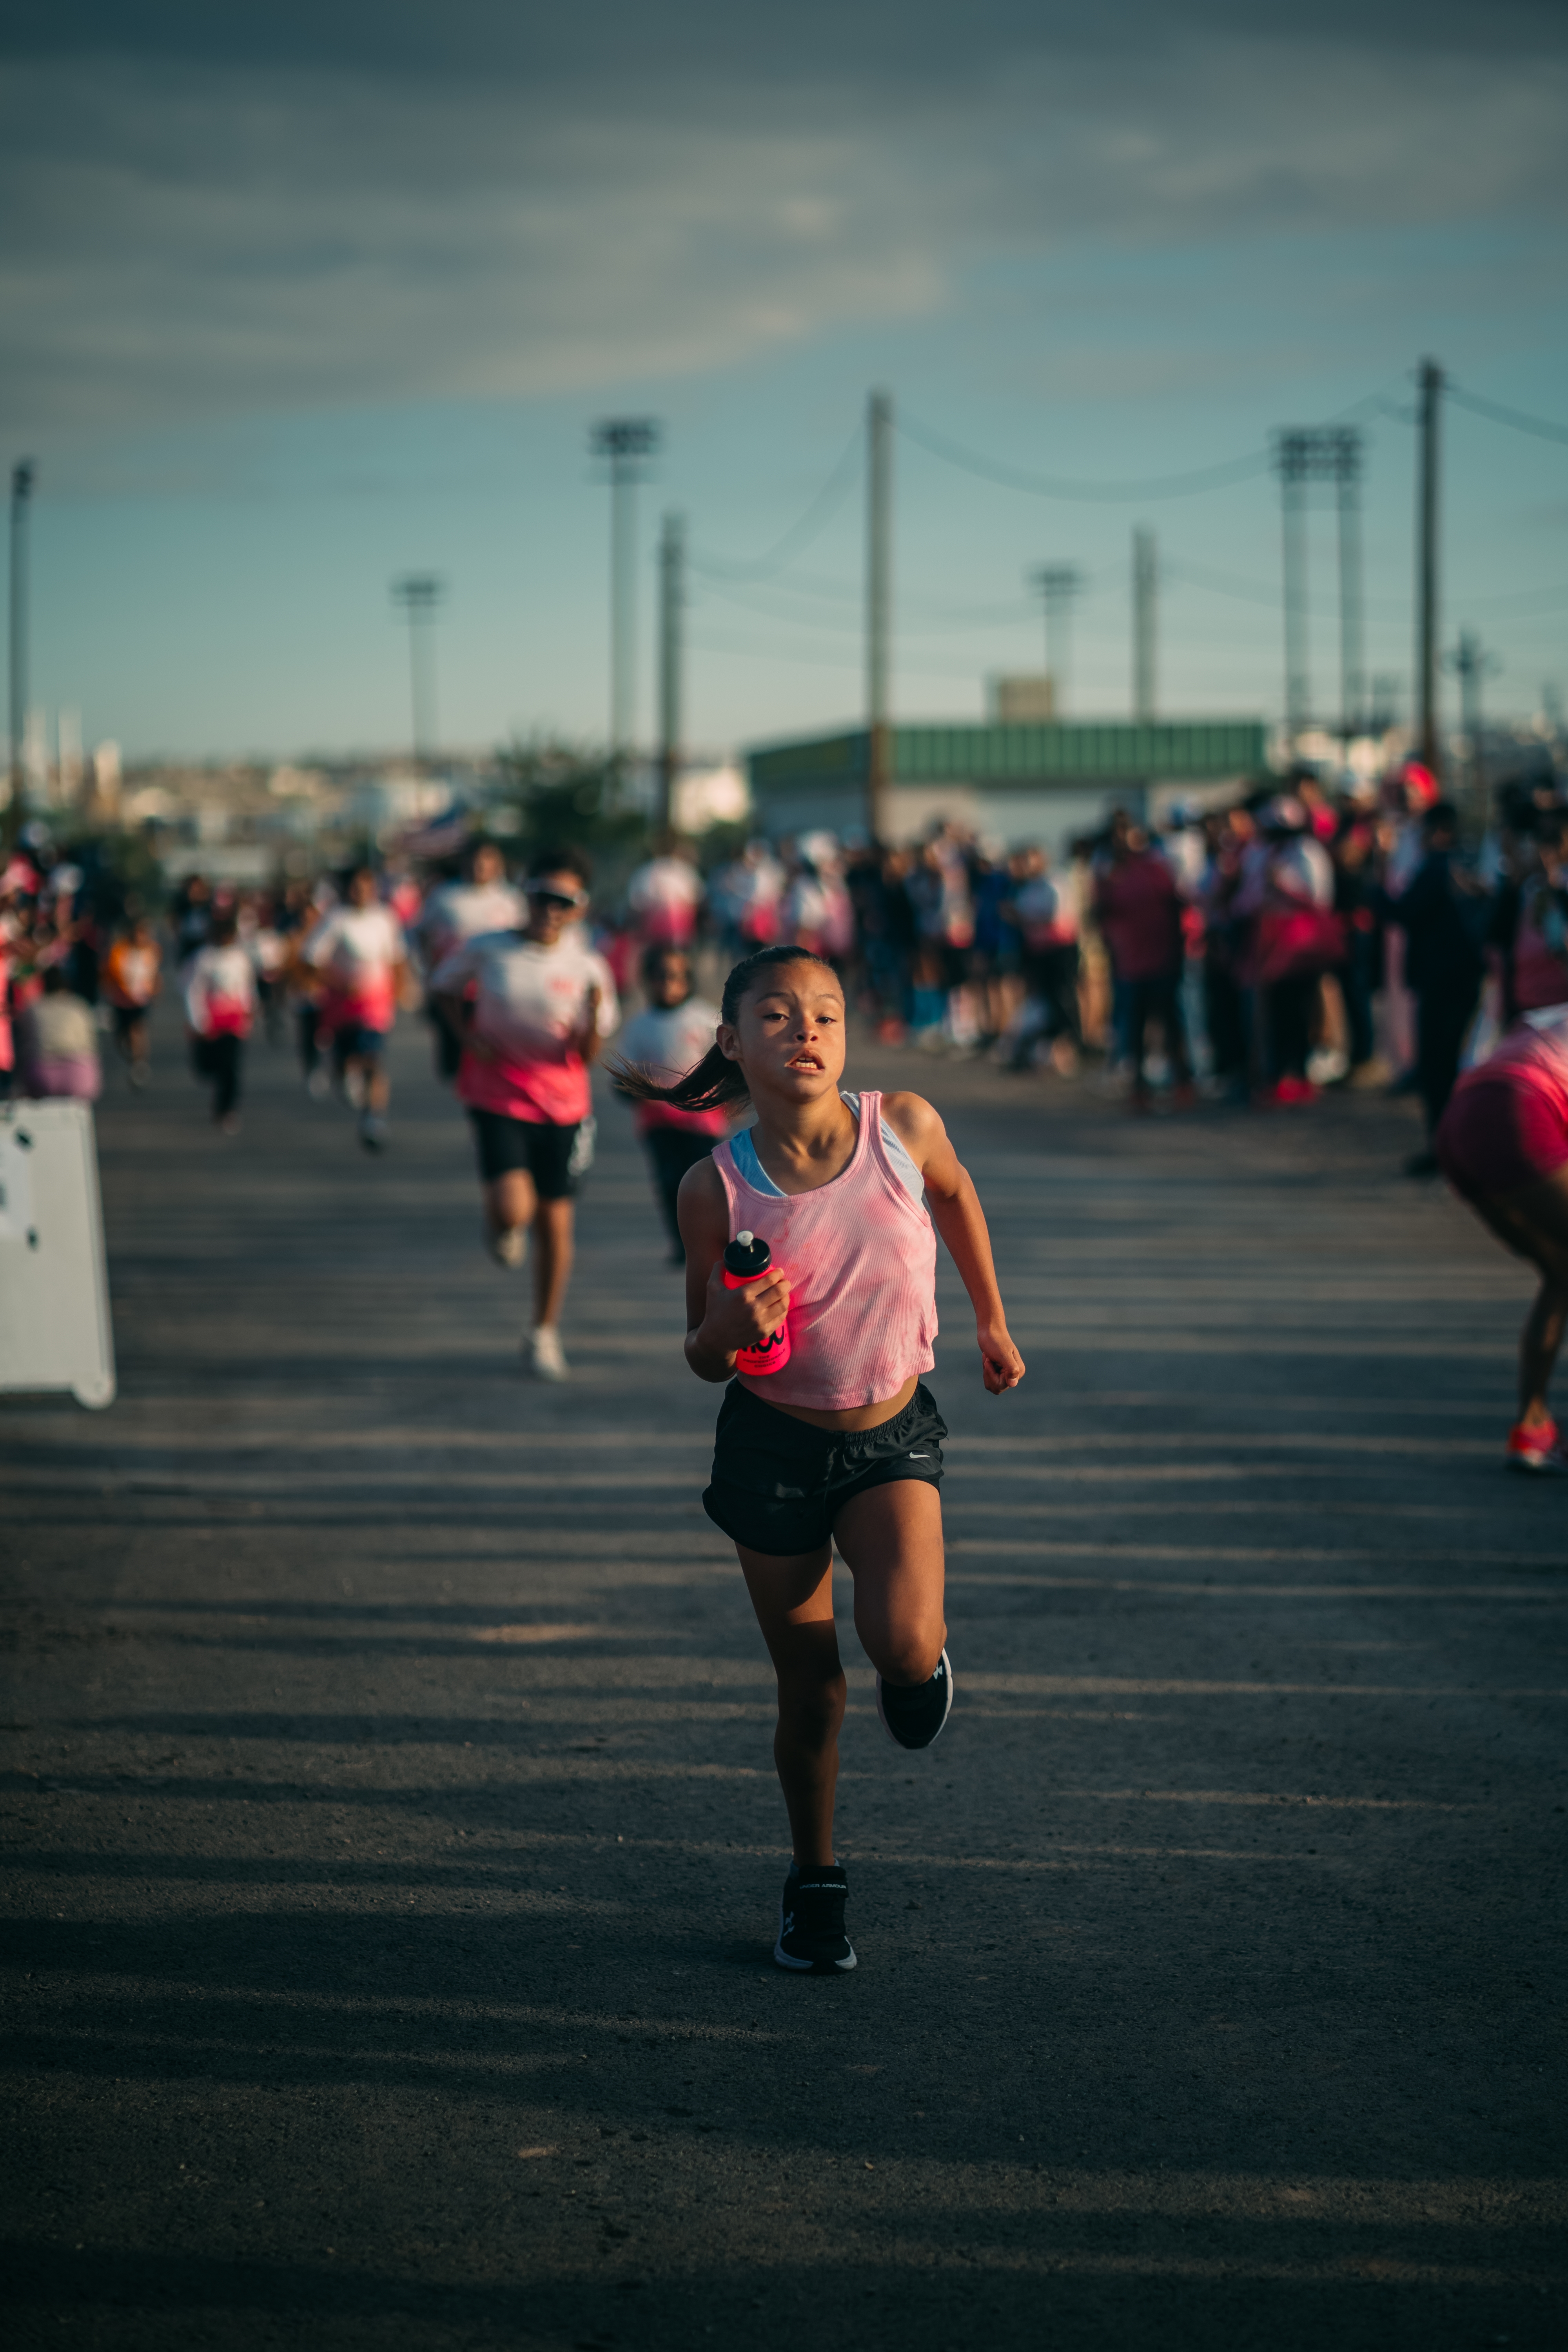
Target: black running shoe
column 913, row 1716
column 811, row 1922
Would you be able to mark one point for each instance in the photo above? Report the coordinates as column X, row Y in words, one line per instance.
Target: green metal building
column 1046, row 782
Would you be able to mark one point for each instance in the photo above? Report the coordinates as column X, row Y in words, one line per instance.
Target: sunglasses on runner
column 548, row 897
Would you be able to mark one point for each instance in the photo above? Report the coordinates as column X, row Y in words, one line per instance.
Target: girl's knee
column 906, row 1654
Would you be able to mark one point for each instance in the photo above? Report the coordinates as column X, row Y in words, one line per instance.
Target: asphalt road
column 393, row 1850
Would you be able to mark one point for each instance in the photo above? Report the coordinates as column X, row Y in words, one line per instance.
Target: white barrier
column 55, row 1331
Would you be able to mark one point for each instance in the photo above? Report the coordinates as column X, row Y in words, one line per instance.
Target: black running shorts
column 352, row 1042
column 779, row 1483
column 545, row 1152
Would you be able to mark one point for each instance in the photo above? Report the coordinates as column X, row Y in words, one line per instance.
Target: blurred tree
column 559, row 792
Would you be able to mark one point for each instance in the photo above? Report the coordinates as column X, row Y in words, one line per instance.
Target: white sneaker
column 509, row 1246
column 372, row 1130
column 318, row 1086
column 545, row 1355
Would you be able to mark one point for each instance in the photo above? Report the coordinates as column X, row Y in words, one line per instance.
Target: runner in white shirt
column 220, row 1004
column 358, row 953
column 457, row 911
column 663, row 896
column 533, row 1008
column 665, row 1041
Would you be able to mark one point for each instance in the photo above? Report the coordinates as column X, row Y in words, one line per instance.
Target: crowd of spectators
column 1301, row 937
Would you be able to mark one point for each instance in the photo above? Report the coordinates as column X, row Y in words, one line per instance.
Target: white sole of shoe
column 941, row 1726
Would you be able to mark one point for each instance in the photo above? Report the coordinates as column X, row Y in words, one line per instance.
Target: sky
column 300, row 299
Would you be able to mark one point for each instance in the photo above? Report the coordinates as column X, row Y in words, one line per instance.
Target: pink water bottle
column 747, row 1259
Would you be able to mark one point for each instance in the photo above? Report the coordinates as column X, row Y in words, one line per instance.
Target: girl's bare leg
column 1538, row 1345
column 509, row 1201
column 891, row 1538
column 793, row 1596
column 1534, row 1223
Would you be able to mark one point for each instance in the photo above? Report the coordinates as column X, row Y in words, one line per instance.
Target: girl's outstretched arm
column 956, row 1213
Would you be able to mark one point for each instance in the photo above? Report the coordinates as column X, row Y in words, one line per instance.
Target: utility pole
column 419, row 593
column 1146, row 595
column 1347, row 484
column 878, row 610
column 625, row 443
column 671, row 606
column 22, row 476
column 1293, row 458
column 1304, row 455
column 1058, row 585
column 1470, row 662
column 1431, row 383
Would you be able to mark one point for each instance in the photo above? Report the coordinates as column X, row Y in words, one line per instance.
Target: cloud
column 212, row 212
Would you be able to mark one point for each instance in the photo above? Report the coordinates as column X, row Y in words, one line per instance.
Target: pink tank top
column 861, row 1259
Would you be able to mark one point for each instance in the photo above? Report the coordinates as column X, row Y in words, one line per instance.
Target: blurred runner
column 131, row 982
column 663, row 896
column 220, row 1004
column 456, row 911
column 358, row 953
column 57, row 1042
column 662, row 1044
column 532, row 1007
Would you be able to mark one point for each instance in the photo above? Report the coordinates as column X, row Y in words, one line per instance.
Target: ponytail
column 716, row 1082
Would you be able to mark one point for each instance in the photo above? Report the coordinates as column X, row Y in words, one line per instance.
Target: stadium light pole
column 22, row 479
column 625, row 443
column 1059, row 586
column 878, row 611
column 1429, row 414
column 672, row 611
column 419, row 593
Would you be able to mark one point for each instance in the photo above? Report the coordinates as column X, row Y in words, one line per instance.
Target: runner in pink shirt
column 220, row 1005
column 1502, row 1143
column 532, row 1007
column 358, row 953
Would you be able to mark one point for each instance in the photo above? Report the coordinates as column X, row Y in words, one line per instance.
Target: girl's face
column 670, row 983
column 789, row 1037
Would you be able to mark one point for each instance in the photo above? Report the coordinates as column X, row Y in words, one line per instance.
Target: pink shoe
column 1536, row 1450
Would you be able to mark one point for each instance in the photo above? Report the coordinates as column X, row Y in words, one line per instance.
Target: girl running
column 843, row 1443
column 220, row 1003
column 1502, row 1143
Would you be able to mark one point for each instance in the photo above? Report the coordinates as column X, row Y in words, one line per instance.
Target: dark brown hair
column 717, row 1082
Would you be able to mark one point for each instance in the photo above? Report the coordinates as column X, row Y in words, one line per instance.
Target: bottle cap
column 747, row 1255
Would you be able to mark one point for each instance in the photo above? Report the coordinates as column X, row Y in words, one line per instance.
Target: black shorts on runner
column 354, row 1043
column 505, row 1144
column 126, row 1017
column 779, row 1483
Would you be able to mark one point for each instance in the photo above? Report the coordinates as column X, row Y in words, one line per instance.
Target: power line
column 1047, row 486
column 1539, row 425
column 931, row 621
column 850, row 659
column 812, row 523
